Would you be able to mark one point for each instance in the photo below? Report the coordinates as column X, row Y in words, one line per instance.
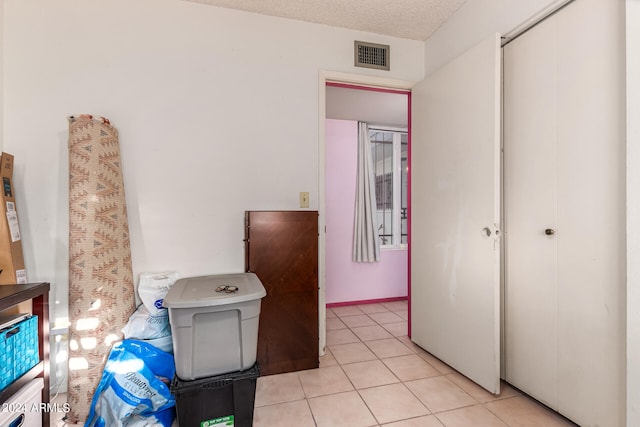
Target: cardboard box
column 11, row 259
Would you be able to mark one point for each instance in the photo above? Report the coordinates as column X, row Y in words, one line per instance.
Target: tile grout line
column 442, row 374
column 442, row 371
column 400, row 381
column 379, row 359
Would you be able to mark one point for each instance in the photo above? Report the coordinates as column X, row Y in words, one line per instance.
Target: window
column 389, row 149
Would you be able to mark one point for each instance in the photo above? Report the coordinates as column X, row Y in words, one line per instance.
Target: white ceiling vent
column 371, row 55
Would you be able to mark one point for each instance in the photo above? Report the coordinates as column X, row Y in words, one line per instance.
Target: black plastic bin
column 217, row 400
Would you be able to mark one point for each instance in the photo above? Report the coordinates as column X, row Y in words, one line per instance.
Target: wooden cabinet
column 281, row 248
column 38, row 293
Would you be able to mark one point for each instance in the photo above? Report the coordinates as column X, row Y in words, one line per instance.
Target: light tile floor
column 373, row 375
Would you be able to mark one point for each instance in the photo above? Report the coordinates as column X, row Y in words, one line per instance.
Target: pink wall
column 348, row 281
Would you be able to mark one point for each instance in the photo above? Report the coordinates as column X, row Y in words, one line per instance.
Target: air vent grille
column 371, row 55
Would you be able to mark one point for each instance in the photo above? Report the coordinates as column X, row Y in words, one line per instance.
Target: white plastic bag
column 143, row 326
column 153, row 287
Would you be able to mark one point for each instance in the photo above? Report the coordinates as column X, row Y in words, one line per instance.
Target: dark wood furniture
column 281, row 248
column 38, row 293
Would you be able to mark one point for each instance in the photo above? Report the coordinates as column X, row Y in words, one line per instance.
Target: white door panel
column 455, row 196
column 591, row 218
column 564, row 102
column 530, row 185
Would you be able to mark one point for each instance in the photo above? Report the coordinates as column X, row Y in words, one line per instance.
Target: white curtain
column 366, row 244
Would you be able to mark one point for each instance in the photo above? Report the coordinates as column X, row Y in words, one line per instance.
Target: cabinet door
column 282, row 250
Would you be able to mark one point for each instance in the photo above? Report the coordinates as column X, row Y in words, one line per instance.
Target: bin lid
column 7, row 320
column 207, row 291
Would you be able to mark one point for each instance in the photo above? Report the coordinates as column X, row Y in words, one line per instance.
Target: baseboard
column 367, row 301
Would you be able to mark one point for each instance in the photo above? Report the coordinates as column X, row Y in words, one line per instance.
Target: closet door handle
column 549, row 231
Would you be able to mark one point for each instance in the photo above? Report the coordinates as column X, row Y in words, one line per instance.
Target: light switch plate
column 304, row 199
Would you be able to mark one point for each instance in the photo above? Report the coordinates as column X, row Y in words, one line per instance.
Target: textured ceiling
column 409, row 19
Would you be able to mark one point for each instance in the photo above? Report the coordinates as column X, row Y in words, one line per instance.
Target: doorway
column 367, row 86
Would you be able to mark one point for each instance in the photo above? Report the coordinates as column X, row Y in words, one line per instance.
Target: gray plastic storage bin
column 215, row 331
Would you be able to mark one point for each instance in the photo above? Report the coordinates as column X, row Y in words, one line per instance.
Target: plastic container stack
column 214, row 325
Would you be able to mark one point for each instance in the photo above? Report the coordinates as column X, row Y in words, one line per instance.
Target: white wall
column 474, row 21
column 217, row 112
column 633, row 212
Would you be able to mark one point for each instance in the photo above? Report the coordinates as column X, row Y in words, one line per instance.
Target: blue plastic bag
column 130, row 392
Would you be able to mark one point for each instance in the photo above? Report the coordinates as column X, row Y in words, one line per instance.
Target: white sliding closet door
column 564, row 171
column 455, row 196
column 530, row 185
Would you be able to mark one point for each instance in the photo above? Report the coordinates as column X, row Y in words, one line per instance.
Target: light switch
column 304, row 199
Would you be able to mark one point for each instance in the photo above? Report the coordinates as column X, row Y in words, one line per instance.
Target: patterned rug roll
column 101, row 291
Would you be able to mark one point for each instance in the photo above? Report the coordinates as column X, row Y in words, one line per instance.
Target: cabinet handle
column 549, row 231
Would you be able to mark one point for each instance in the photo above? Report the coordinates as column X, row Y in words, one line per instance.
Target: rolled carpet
column 101, row 290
